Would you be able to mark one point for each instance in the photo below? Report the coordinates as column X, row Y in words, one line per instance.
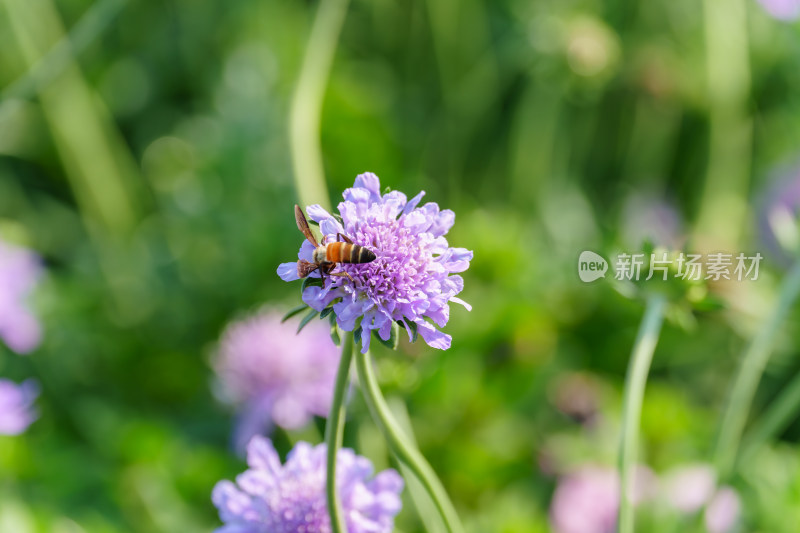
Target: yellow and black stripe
column 345, row 252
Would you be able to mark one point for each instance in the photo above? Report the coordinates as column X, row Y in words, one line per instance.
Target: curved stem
column 635, row 382
column 776, row 418
column 400, row 445
column 306, row 108
column 750, row 371
column 334, row 433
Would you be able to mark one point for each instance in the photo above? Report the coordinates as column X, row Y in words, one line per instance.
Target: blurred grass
column 533, row 121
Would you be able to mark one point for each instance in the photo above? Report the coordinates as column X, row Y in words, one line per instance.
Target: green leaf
column 309, row 281
column 394, row 337
column 306, row 319
column 357, row 336
column 314, row 222
column 414, row 333
column 293, row 311
column 325, row 312
column 335, row 335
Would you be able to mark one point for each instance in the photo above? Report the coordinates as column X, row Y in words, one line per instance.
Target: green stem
column 635, row 381
column 752, row 367
column 723, row 206
column 92, row 24
column 777, row 418
column 334, row 433
column 401, row 447
column 306, row 109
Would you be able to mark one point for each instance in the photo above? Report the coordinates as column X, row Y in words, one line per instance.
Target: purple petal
column 393, row 203
column 317, row 213
column 16, row 406
column 359, row 197
column 231, row 502
column 442, row 222
column 416, row 221
column 331, row 226
column 371, row 183
column 288, row 271
column 366, row 337
column 462, row 302
column 433, row 337
column 388, row 480
column 413, row 203
column 318, row 298
column 306, row 252
column 440, row 315
column 457, row 259
column 254, row 419
column 261, row 455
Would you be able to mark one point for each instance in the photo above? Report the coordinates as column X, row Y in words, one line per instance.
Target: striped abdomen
column 344, row 252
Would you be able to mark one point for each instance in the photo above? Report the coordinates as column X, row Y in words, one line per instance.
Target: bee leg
column 325, row 269
column 342, row 275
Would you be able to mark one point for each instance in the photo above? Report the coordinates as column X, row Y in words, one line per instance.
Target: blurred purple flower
column 778, row 214
column 723, row 511
column 648, row 217
column 782, row 9
column 19, row 271
column 290, row 498
column 275, row 375
column 409, row 282
column 688, row 488
column 586, row 501
column 16, row 406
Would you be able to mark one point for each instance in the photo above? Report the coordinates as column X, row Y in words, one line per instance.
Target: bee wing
column 304, row 268
column 302, row 225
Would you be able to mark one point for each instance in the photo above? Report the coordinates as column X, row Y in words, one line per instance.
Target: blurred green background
column 150, row 165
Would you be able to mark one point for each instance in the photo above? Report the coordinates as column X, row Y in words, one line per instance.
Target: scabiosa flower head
column 274, row 374
column 782, row 9
column 412, row 279
column 290, row 498
column 16, row 406
column 19, row 271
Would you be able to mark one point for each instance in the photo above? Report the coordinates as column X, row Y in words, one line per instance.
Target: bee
column 326, row 256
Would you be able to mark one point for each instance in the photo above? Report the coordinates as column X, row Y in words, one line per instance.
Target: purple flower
column 689, row 487
column 290, row 498
column 274, row 374
column 723, row 511
column 19, row 271
column 586, row 501
column 16, row 406
column 778, row 214
column 411, row 281
column 782, row 9
column 647, row 217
